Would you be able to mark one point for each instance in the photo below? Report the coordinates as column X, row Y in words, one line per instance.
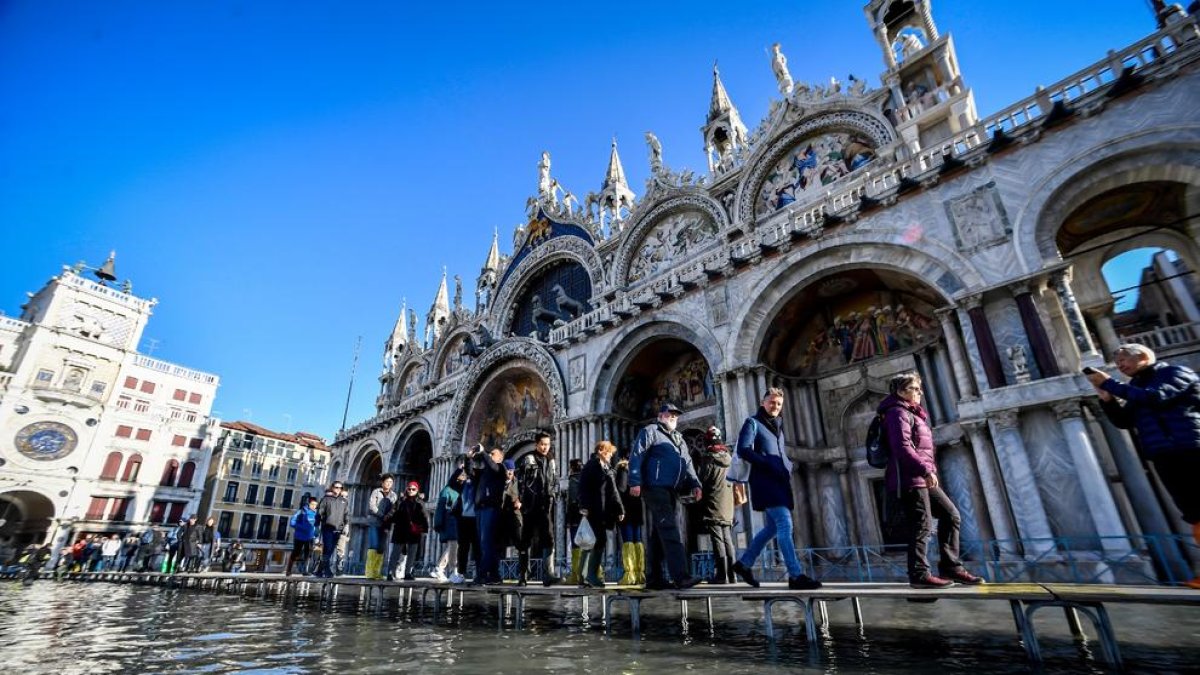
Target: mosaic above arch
column 811, row 165
column 672, row 239
column 515, row 403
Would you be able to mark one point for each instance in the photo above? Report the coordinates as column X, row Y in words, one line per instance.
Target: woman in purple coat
column 911, row 474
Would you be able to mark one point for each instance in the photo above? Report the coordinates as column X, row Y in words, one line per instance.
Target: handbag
column 585, row 538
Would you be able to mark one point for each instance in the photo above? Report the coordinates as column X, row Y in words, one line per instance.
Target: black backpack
column 878, row 450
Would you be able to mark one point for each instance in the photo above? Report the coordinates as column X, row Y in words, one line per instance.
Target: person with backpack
column 445, row 524
column 716, row 508
column 1161, row 404
column 912, row 475
column 304, row 531
column 760, row 444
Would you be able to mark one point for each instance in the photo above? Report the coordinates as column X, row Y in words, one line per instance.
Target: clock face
column 46, row 440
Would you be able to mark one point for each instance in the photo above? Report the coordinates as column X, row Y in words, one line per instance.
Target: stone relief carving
column 717, row 300
column 812, row 165
column 577, row 373
column 637, row 233
column 978, row 218
column 1020, row 367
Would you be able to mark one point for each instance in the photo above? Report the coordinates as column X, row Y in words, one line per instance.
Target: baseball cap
column 669, row 408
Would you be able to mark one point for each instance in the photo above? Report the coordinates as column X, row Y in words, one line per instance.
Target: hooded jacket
column 712, row 463
column 660, row 459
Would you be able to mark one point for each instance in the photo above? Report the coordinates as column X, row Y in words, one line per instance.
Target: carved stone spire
column 439, row 313
column 399, row 338
column 724, row 132
column 489, row 274
column 493, row 257
column 720, row 104
column 615, row 194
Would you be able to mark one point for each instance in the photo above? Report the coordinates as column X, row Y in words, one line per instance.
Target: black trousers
column 1178, row 473
column 537, row 533
column 723, row 551
column 664, row 542
column 468, row 543
column 921, row 507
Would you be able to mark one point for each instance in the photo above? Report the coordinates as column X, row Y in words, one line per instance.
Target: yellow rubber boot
column 573, row 578
column 639, row 563
column 629, row 577
column 374, row 562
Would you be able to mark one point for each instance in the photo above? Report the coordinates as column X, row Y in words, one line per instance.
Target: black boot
column 522, row 568
column 591, row 564
column 720, row 572
column 548, row 578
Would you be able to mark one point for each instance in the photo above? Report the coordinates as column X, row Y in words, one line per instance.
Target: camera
column 1088, row 370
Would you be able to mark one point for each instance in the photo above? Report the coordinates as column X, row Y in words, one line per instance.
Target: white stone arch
column 358, row 458
column 406, row 370
column 629, row 341
column 947, row 274
column 407, row 430
column 458, row 333
column 870, row 123
column 562, row 247
column 510, row 352
column 650, row 215
column 35, row 507
column 1171, row 155
column 1087, row 271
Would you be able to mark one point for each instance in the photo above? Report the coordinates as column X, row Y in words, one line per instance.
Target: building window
column 224, row 522
column 231, row 491
column 179, row 395
column 186, row 474
column 119, row 507
column 176, row 413
column 282, row 534
column 97, row 508
column 143, row 434
column 287, row 499
column 46, row 376
column 178, row 441
column 132, row 467
column 112, row 465
column 147, row 387
column 252, row 493
column 291, row 475
column 265, row 526
column 189, row 416
column 246, row 531
column 123, row 402
column 195, row 443
column 194, row 398
column 141, row 405
column 170, row 471
column 256, row 469
column 269, row 496
column 176, row 514
column 235, row 466
column 158, row 511
column 98, row 388
column 273, row 473
column 131, row 383
column 124, row 431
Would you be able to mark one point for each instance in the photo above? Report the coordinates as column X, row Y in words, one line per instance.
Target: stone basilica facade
column 854, row 234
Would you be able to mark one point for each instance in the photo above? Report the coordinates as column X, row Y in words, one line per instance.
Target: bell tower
column 929, row 101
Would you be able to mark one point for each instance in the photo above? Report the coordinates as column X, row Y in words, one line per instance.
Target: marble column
column 990, row 480
column 985, row 343
column 1043, row 352
column 947, row 383
column 934, row 402
column 1101, row 505
column 813, row 492
column 1101, row 317
column 968, row 372
column 842, row 467
column 1066, row 298
column 795, row 406
column 1030, row 513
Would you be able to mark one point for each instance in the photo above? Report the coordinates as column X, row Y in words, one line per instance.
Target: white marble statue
column 655, row 152
column 1016, row 356
column 545, row 182
column 779, row 66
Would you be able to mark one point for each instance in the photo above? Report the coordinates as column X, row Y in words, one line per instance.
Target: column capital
column 970, row 302
column 1005, row 419
column 973, row 427
column 1021, row 287
column 841, row 466
column 1067, row 409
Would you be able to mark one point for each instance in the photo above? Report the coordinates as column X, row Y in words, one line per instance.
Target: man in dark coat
column 538, row 478
column 761, row 444
column 511, row 522
column 489, row 498
column 716, row 507
column 333, row 514
column 1161, row 404
column 660, row 469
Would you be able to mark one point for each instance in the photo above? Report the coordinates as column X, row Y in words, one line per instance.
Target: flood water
column 108, row 628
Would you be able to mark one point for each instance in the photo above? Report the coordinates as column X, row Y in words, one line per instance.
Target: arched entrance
column 26, row 517
column 833, row 344
column 513, row 405
column 412, row 459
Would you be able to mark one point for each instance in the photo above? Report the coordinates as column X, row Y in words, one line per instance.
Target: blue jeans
column 377, row 538
column 779, row 528
column 488, row 521
column 329, row 540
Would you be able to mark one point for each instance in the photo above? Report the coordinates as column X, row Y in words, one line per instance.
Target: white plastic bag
column 585, row 538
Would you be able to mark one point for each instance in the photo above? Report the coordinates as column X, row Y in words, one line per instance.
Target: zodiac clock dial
column 46, row 440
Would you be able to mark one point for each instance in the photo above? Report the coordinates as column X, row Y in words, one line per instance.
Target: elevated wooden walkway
column 1024, row 598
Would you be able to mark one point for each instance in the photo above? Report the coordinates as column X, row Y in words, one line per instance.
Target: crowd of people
column 491, row 503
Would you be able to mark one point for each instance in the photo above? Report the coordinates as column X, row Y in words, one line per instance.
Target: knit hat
column 412, row 485
column 510, row 465
column 713, row 435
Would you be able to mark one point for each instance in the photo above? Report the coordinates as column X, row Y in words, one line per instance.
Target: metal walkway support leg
column 1026, row 632
column 857, row 607
column 1074, row 625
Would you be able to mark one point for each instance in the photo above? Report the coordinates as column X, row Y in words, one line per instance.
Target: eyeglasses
column 337, row 487
column 412, row 489
column 915, row 387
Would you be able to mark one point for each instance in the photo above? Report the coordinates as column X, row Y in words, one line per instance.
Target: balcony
column 65, row 395
column 1169, row 340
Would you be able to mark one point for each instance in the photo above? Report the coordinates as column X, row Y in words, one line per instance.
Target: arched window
column 185, row 475
column 111, row 466
column 169, row 473
column 132, row 467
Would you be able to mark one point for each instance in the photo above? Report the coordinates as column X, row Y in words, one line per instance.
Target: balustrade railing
column 1167, row 336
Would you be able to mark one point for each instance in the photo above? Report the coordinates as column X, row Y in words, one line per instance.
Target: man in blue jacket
column 1161, row 403
column 760, row 444
column 660, row 469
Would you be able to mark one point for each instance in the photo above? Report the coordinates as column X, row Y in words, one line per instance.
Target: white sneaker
column 456, row 578
column 439, row 576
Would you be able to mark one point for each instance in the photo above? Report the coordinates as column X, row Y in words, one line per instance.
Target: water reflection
column 106, row 628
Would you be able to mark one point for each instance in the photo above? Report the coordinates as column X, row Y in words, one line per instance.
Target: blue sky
column 281, row 174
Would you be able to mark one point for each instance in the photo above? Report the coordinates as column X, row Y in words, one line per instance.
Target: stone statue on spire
column 656, row 160
column 457, row 294
column 779, row 66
